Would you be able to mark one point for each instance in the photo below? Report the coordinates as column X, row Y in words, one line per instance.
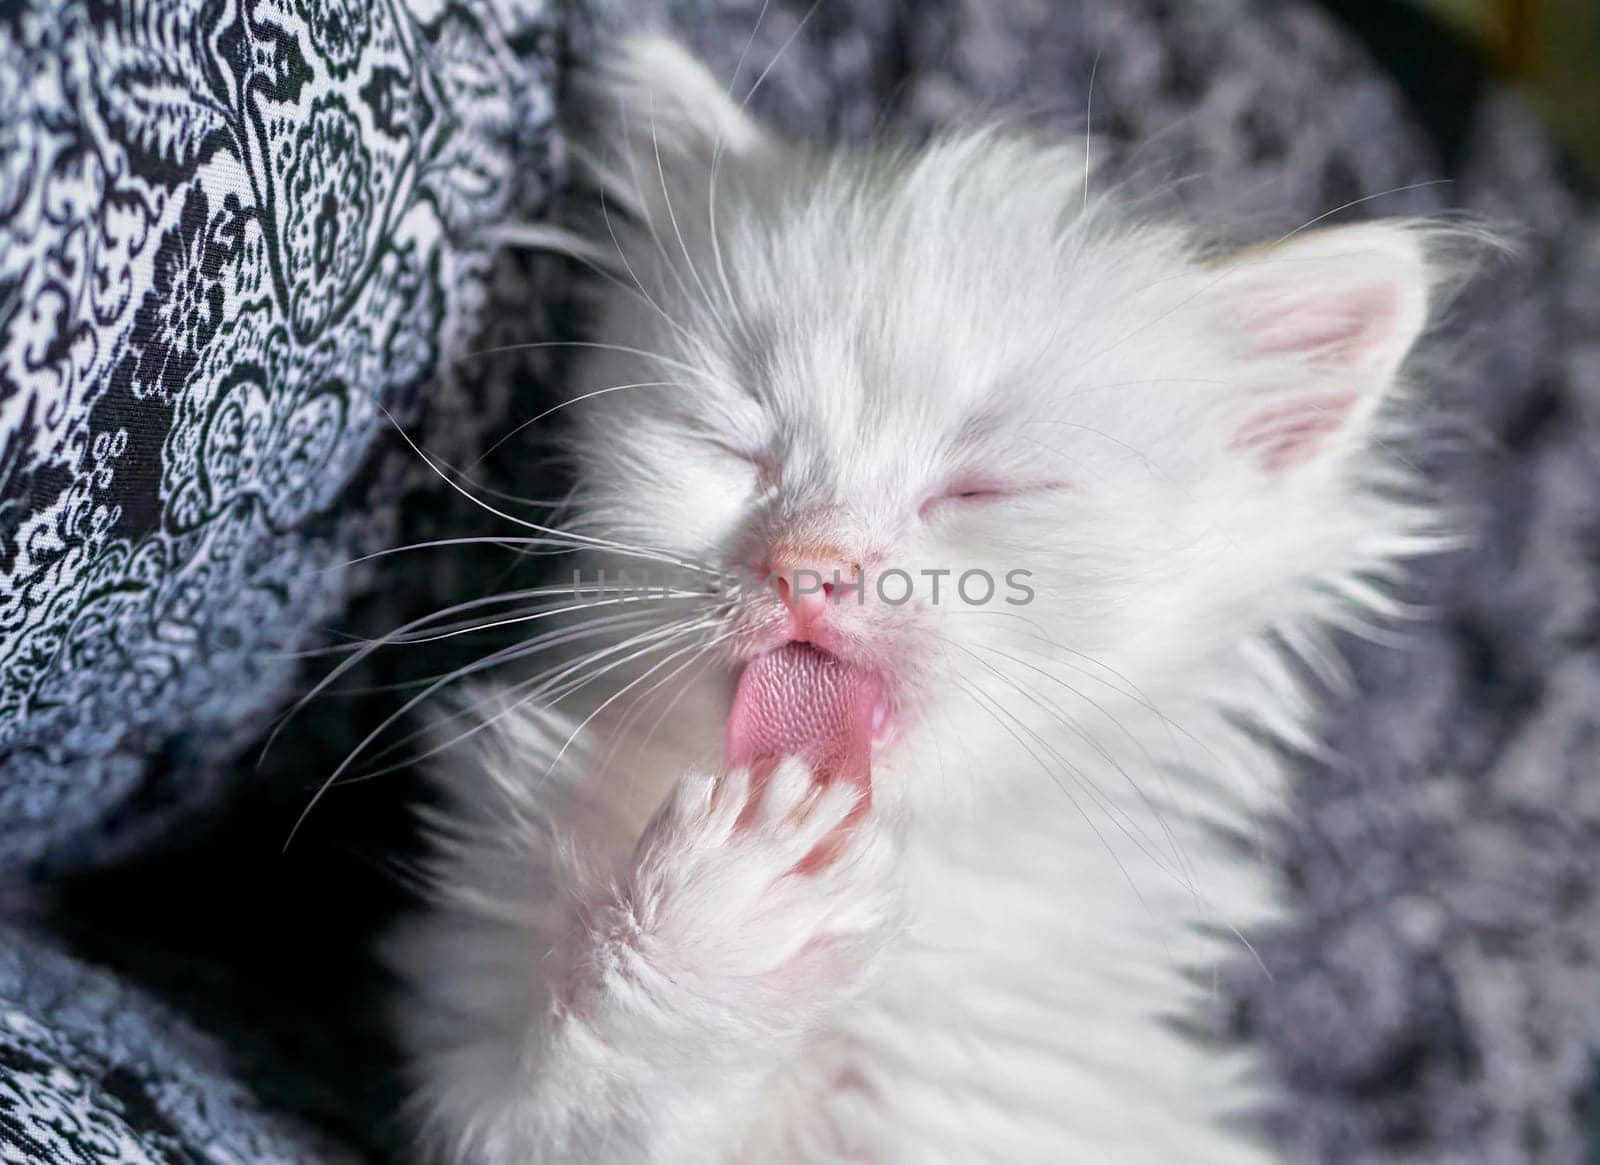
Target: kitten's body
column 1008, row 958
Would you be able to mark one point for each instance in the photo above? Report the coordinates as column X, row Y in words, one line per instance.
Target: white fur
column 1007, row 961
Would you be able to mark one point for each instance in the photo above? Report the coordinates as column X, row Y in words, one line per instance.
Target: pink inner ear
column 1288, row 434
column 1343, row 334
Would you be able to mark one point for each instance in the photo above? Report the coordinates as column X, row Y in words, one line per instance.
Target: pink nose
column 809, row 588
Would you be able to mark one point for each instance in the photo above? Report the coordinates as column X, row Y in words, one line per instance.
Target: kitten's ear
column 1323, row 323
column 656, row 116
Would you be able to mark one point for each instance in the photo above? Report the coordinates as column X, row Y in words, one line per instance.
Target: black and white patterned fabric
column 237, row 237
column 237, row 246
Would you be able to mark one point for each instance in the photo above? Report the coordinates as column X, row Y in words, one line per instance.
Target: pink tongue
column 798, row 701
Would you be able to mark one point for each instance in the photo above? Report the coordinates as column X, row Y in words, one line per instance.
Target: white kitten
column 970, row 925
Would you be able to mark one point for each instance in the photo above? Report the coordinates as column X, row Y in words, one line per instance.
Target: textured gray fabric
column 94, row 1073
column 1437, row 997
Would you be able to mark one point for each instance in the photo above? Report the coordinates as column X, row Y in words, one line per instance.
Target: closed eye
column 965, row 492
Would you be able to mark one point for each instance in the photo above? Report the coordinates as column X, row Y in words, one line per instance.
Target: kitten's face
column 1033, row 433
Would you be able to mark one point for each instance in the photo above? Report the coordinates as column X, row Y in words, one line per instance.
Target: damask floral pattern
column 327, row 213
column 339, row 30
column 236, row 237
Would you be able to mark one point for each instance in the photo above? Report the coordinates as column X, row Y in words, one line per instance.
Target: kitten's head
column 1119, row 446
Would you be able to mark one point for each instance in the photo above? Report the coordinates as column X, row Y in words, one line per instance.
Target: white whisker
column 556, row 408
column 603, row 543
column 544, row 685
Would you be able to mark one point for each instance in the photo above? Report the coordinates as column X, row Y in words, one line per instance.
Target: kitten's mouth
column 800, row 701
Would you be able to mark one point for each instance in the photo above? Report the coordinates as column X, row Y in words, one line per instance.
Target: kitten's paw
column 768, row 898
